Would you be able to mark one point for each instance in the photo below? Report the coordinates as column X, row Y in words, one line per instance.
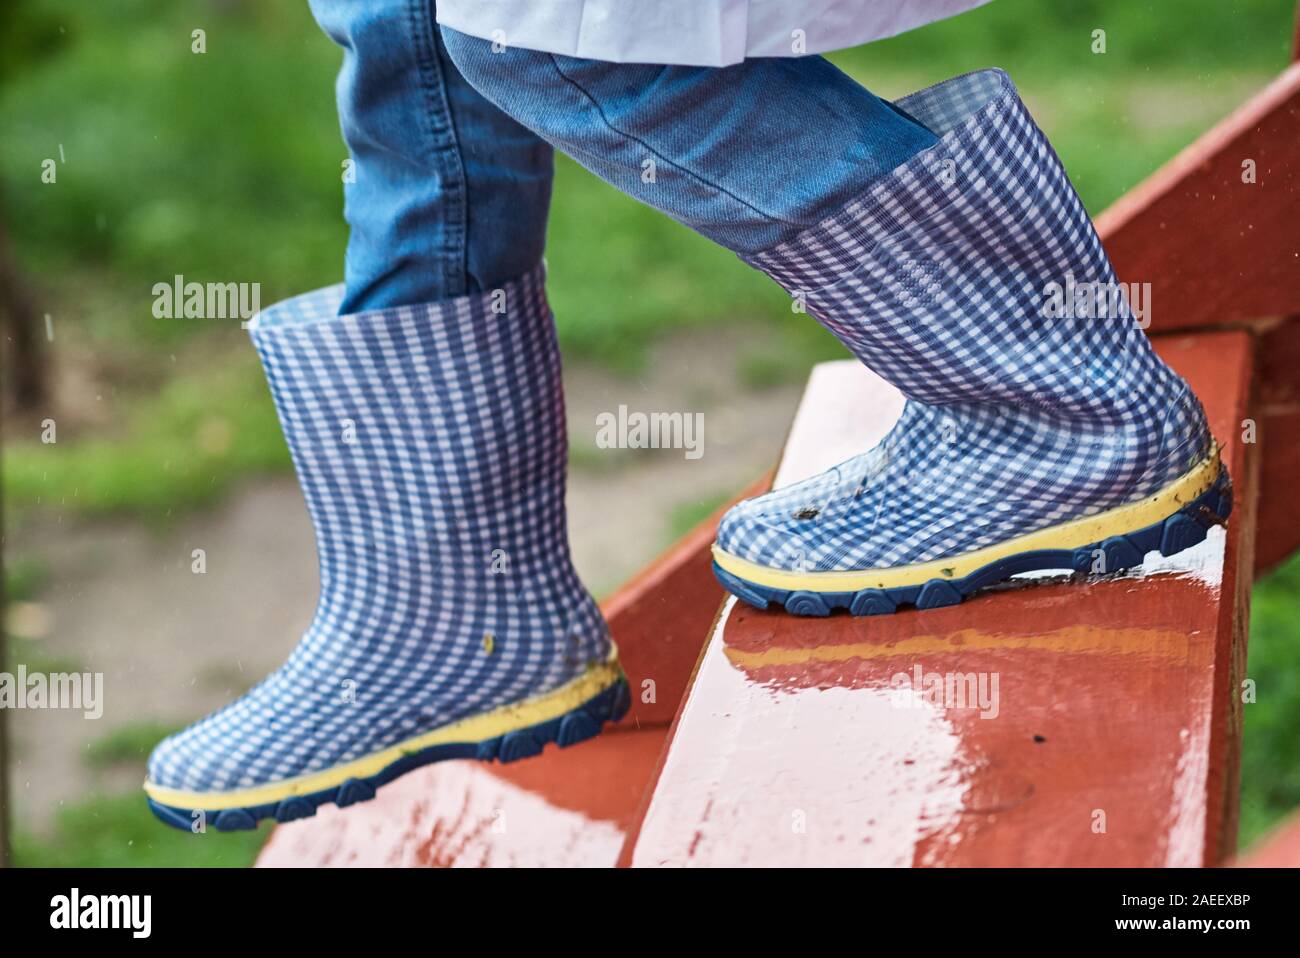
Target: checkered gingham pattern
column 430, row 444
column 1016, row 419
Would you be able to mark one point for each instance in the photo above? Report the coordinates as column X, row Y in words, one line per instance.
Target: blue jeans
column 451, row 143
column 447, row 195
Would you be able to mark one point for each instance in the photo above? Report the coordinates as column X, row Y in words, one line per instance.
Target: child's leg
column 423, row 409
column 747, row 155
column 950, row 254
column 447, row 195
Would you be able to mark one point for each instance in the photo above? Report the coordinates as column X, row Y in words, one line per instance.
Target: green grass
column 222, row 165
column 1049, row 39
column 788, row 358
column 685, row 516
column 128, row 744
column 117, row 831
column 24, row 578
column 1270, row 762
column 36, row 656
column 172, row 451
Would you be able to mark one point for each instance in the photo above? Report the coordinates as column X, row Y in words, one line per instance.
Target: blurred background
column 225, row 166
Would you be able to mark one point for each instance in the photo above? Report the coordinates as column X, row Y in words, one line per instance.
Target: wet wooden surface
column 661, row 618
column 565, row 807
column 1111, row 739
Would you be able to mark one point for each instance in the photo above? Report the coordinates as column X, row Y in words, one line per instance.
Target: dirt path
column 121, row 599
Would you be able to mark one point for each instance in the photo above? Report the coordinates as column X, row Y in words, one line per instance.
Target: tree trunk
column 24, row 353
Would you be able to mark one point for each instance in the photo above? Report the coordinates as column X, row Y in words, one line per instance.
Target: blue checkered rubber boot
column 1041, row 431
column 430, row 445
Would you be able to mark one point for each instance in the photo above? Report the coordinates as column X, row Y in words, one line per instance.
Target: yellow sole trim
column 477, row 728
column 1067, row 535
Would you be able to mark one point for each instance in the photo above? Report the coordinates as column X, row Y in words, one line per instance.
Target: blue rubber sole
column 1181, row 530
column 577, row 725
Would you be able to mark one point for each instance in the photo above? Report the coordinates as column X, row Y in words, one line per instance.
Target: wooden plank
column 661, row 616
column 1116, row 729
column 565, row 807
column 1217, row 250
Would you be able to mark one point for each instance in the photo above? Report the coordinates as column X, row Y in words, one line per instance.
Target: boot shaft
column 424, row 431
column 973, row 274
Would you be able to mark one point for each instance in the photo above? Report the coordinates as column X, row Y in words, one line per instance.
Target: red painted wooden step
column 566, row 807
column 1114, row 736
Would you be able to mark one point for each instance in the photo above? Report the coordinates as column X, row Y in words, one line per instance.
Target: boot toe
column 755, row 531
column 208, row 756
column 173, row 764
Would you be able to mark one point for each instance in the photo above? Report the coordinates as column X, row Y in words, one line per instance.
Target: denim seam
column 446, row 148
column 667, row 162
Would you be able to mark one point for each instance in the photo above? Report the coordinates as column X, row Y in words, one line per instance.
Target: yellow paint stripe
column 477, row 728
column 1067, row 535
column 1161, row 644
